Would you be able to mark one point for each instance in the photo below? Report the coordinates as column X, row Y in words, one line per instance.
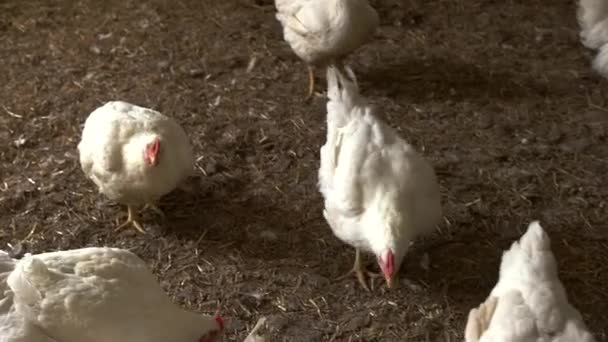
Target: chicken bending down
column 99, row 295
column 323, row 32
column 379, row 192
column 593, row 20
column 134, row 155
column 529, row 303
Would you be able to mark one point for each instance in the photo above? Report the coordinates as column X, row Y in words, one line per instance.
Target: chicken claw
column 132, row 219
column 360, row 271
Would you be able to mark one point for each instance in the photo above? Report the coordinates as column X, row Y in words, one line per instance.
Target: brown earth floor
column 498, row 94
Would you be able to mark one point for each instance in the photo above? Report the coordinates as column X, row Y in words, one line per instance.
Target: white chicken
column 593, row 20
column 134, row 155
column 325, row 31
column 529, row 303
column 379, row 192
column 96, row 295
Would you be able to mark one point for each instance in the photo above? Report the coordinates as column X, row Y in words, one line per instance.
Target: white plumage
column 379, row 192
column 593, row 20
column 325, row 31
column 13, row 325
column 96, row 295
column 529, row 303
column 133, row 154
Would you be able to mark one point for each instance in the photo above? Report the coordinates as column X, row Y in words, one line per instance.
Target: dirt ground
column 498, row 94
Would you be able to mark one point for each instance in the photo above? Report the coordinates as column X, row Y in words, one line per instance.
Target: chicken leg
column 132, row 219
column 311, row 81
column 360, row 271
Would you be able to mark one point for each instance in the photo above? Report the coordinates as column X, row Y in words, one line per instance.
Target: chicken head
column 151, row 152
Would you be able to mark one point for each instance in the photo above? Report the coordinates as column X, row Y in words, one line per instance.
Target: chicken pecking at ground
column 325, row 31
column 95, row 295
column 593, row 20
column 379, row 192
column 134, row 155
column 529, row 303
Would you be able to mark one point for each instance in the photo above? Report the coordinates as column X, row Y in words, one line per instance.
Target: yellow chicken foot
column 360, row 271
column 311, row 82
column 132, row 219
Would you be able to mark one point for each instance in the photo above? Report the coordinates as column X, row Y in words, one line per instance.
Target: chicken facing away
column 325, row 31
column 95, row 295
column 379, row 192
column 593, row 20
column 529, row 303
column 134, row 155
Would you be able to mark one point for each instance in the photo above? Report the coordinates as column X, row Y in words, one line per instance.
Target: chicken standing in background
column 593, row 20
column 101, row 295
column 325, row 31
column 379, row 192
column 529, row 303
column 134, row 155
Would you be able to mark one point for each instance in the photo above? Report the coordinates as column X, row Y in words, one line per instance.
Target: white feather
column 13, row 325
column 593, row 20
column 531, row 302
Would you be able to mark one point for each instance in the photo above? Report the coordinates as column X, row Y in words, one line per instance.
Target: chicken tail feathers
column 535, row 239
column 530, row 258
column 343, row 97
column 479, row 320
column 600, row 63
column 340, row 88
column 591, row 15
